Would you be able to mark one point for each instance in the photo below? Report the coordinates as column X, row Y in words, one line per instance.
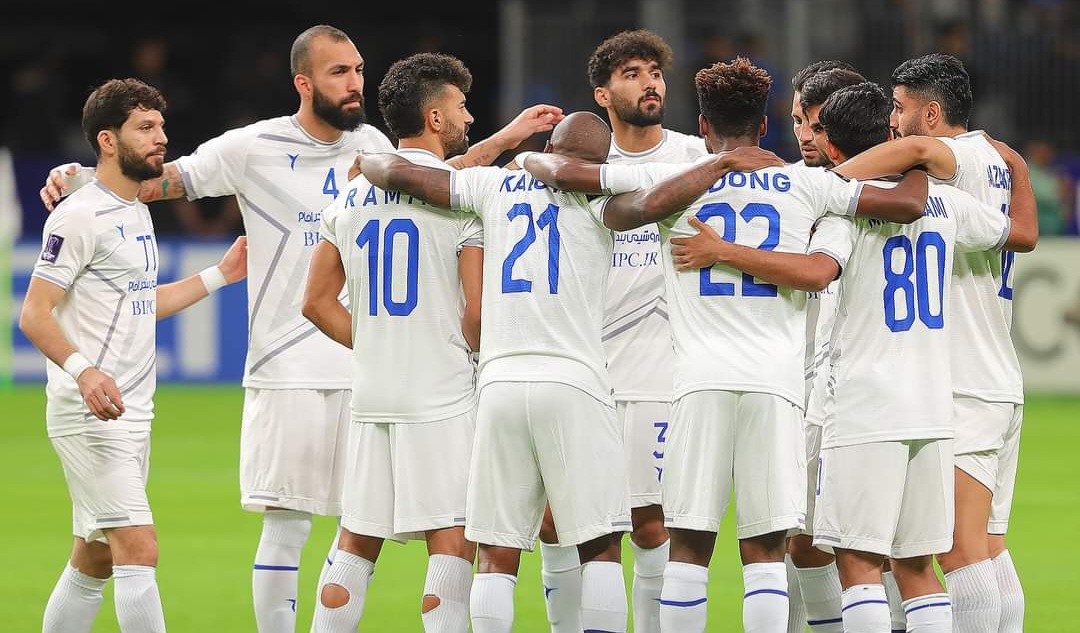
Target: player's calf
column 926, row 605
column 765, row 598
column 649, row 542
column 135, row 556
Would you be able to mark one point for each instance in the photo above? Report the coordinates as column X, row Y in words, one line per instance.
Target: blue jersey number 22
column 750, row 212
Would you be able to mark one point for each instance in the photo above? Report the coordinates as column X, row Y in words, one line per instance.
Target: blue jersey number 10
column 369, row 239
column 898, row 283
column 548, row 220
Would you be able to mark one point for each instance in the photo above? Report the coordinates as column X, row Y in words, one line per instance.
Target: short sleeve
column 957, row 149
column 835, row 194
column 616, row 179
column 472, row 231
column 470, row 188
column 68, row 244
column 376, row 141
column 216, row 167
column 979, row 226
column 328, row 223
column 834, row 236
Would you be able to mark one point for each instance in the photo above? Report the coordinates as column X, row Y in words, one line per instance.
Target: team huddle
column 614, row 335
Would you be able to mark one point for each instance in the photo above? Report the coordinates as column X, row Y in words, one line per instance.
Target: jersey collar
column 621, row 152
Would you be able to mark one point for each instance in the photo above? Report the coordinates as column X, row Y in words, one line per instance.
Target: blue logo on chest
column 292, row 160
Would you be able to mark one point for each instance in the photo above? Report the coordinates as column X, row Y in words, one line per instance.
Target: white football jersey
column 546, row 261
column 282, row 177
column 820, row 318
column 890, row 369
column 637, row 333
column 731, row 332
column 410, row 361
column 985, row 365
column 101, row 249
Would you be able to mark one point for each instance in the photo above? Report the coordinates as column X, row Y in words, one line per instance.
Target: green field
column 207, row 542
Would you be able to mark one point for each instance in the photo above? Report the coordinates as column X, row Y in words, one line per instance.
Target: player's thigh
column 580, row 451
column 769, row 465
column 505, row 496
column 925, row 523
column 431, row 473
column 812, row 435
column 368, row 495
column 645, row 429
column 862, row 490
column 980, row 430
column 698, row 460
column 1008, row 460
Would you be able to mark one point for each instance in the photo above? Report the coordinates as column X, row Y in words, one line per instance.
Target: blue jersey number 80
column 914, row 295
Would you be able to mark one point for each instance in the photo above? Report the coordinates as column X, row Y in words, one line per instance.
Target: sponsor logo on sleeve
column 52, row 248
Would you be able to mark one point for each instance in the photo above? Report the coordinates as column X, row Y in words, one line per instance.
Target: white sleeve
column 471, row 187
column 616, row 179
column 979, row 226
column 378, row 140
column 472, row 232
column 835, row 194
column 957, row 148
column 67, row 247
column 328, row 224
column 216, row 167
column 834, row 236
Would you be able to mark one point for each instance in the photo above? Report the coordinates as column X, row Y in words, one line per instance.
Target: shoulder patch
column 52, row 248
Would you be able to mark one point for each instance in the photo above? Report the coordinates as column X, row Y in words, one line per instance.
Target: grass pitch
column 207, row 542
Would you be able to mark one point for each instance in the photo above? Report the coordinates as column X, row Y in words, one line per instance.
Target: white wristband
column 76, row 364
column 213, row 279
column 520, row 158
column 81, row 178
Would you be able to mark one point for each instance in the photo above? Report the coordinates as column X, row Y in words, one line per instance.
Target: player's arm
column 178, row 295
column 631, row 210
column 792, row 270
column 1023, row 212
column 903, row 204
column 532, row 120
column 65, row 179
column 391, row 172
column 471, row 271
column 901, row 155
column 39, row 324
column 326, row 278
column 562, row 172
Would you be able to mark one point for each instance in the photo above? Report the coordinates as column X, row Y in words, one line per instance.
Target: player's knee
column 548, row 534
column 767, row 548
column 650, row 534
column 429, row 603
column 334, row 596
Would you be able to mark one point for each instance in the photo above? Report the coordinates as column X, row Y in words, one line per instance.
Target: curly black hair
column 818, row 67
column 818, row 87
column 856, row 118
column 412, row 83
column 618, row 49
column 732, row 96
column 110, row 104
column 942, row 78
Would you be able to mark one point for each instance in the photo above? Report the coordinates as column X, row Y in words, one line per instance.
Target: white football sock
column 821, row 592
column 603, row 597
column 897, row 619
column 929, row 614
column 973, row 591
column 74, row 602
column 449, row 579
column 796, row 618
column 648, row 581
column 353, row 573
column 765, row 601
column 561, row 574
column 138, row 603
column 491, row 603
column 277, row 564
column 327, row 563
column 684, row 598
column 1012, row 594
column 865, row 609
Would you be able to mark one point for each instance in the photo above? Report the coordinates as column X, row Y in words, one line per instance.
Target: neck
column 634, row 138
column 732, row 142
column 315, row 126
column 108, row 172
column 427, row 141
column 949, row 131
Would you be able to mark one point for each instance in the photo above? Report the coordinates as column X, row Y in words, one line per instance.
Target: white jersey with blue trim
column 282, row 178
column 102, row 251
column 410, row 360
column 637, row 331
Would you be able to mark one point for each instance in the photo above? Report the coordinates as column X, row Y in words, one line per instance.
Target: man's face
column 908, row 115
column 337, row 83
column 140, row 145
column 454, row 134
column 637, row 91
column 818, row 136
column 801, row 126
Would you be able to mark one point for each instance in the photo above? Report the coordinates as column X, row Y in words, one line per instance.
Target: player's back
column 410, row 359
column 890, row 358
column 985, row 364
column 546, row 261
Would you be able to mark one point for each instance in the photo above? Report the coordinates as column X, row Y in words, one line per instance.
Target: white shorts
column 813, row 473
column 645, row 430
column 545, row 441
column 292, row 452
column 894, row 499
column 752, row 440
column 1007, row 460
column 407, row 478
column 106, row 477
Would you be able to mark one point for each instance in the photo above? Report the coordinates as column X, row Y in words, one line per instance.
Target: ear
column 434, row 119
column 602, row 97
column 702, row 126
column 933, row 115
column 832, row 152
column 763, row 129
column 107, row 142
column 302, row 85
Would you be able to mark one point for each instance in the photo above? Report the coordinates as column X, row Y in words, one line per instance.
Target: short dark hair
column 110, row 104
column 818, row 87
column 300, row 54
column 942, row 78
column 412, row 83
column 818, row 67
column 732, row 96
column 622, row 47
column 856, row 118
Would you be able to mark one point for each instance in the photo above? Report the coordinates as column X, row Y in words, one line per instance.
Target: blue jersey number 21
column 369, row 239
column 548, row 220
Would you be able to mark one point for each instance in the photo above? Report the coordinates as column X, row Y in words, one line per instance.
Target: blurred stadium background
column 1023, row 56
